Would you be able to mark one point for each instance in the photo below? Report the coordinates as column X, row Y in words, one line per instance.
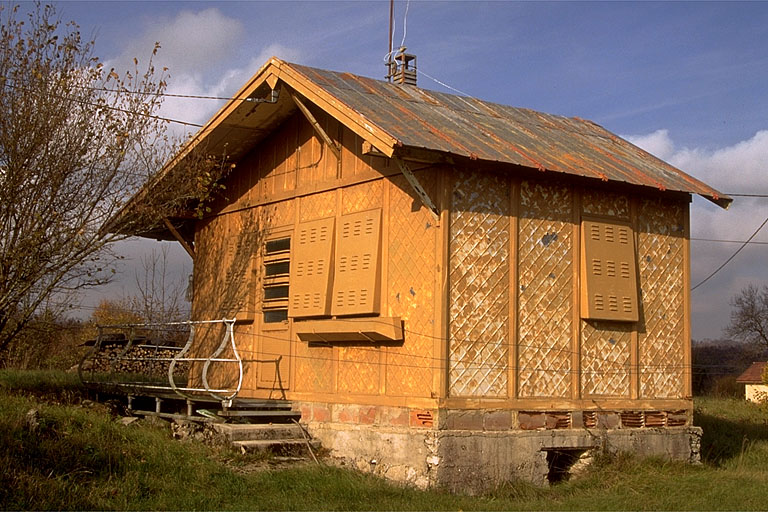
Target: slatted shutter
column 356, row 285
column 277, row 264
column 608, row 276
column 311, row 269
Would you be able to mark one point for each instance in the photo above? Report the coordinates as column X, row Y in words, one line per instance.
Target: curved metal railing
column 133, row 361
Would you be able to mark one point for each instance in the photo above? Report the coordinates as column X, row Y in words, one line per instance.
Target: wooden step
column 251, row 432
column 261, row 414
column 277, row 446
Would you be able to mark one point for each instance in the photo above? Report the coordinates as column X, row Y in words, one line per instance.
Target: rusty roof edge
column 698, row 187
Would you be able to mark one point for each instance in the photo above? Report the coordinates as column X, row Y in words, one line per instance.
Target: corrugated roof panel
column 488, row 131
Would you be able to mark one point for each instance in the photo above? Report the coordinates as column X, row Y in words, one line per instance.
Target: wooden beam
column 318, row 129
column 425, row 199
column 179, row 238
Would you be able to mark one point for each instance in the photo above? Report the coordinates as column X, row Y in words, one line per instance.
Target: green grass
column 83, row 458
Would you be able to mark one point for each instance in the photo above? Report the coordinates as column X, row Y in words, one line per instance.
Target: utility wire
column 718, row 269
column 753, row 242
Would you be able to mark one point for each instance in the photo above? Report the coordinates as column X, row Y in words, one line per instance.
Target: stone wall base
column 470, row 461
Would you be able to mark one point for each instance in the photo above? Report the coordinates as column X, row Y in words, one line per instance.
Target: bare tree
column 161, row 296
column 749, row 318
column 76, row 140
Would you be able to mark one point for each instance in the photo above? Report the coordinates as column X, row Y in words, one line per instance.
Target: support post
column 416, row 186
column 179, row 238
column 318, row 129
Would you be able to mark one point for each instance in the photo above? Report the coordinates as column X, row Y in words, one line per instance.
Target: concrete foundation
column 469, row 460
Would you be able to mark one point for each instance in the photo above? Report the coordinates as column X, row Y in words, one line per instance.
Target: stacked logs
column 149, row 361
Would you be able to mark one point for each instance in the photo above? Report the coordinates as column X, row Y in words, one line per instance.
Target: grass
column 78, row 457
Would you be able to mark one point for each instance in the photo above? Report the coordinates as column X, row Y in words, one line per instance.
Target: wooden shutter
column 311, row 269
column 608, row 275
column 356, row 286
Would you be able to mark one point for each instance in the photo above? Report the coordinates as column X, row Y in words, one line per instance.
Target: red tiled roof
column 753, row 374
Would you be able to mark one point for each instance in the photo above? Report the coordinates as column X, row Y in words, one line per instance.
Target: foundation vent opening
column 589, row 418
column 677, row 418
column 561, row 463
column 558, row 420
column 631, row 419
column 655, row 419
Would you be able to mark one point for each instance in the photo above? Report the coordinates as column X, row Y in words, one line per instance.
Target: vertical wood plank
column 384, row 279
column 514, row 213
column 634, row 344
column 440, row 348
column 576, row 310
column 687, row 359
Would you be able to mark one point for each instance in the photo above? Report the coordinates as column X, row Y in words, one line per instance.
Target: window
column 277, row 265
column 608, row 275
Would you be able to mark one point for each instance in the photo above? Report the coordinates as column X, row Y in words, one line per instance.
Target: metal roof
column 482, row 130
column 397, row 118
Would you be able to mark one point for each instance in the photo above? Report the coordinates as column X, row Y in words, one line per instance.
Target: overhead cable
column 718, row 269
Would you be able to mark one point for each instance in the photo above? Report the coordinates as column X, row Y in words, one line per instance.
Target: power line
column 753, row 242
column 718, row 269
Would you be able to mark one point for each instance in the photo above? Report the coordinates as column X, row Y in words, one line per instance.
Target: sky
column 687, row 81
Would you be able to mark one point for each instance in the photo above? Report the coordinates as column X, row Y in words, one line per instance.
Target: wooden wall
column 516, row 330
column 489, row 295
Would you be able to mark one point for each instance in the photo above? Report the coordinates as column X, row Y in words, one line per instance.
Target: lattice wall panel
column 279, row 214
column 410, row 289
column 662, row 341
column 603, row 202
column 236, row 286
column 364, row 196
column 317, row 206
column 314, row 368
column 605, row 364
column 545, row 291
column 359, row 370
column 479, row 289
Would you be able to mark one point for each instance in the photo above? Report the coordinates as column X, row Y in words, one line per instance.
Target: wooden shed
column 425, row 266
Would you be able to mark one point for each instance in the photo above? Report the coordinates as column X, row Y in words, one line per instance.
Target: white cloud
column 191, row 43
column 739, row 168
column 199, row 48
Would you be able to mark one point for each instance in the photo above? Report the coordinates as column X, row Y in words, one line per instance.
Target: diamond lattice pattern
column 359, row 370
column 545, row 290
column 479, row 290
column 318, row 206
column 411, row 289
column 661, row 334
column 605, row 364
column 365, row 196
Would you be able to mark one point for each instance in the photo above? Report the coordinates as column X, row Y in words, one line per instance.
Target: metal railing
column 136, row 361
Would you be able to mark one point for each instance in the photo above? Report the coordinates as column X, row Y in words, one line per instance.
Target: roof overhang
column 266, row 100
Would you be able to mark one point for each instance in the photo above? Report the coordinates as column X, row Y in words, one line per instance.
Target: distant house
column 453, row 292
column 755, row 390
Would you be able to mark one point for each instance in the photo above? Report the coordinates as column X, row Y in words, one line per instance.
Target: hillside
column 74, row 454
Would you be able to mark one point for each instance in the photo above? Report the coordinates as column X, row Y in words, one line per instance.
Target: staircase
column 285, row 440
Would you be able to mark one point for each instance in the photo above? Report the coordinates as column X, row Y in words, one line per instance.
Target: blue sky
column 685, row 80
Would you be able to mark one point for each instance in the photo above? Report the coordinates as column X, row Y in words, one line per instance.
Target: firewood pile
column 144, row 360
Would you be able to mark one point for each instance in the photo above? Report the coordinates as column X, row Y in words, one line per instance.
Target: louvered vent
column 655, row 419
column 275, row 287
column 589, row 418
column 356, row 287
column 311, row 270
column 631, row 419
column 608, row 276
